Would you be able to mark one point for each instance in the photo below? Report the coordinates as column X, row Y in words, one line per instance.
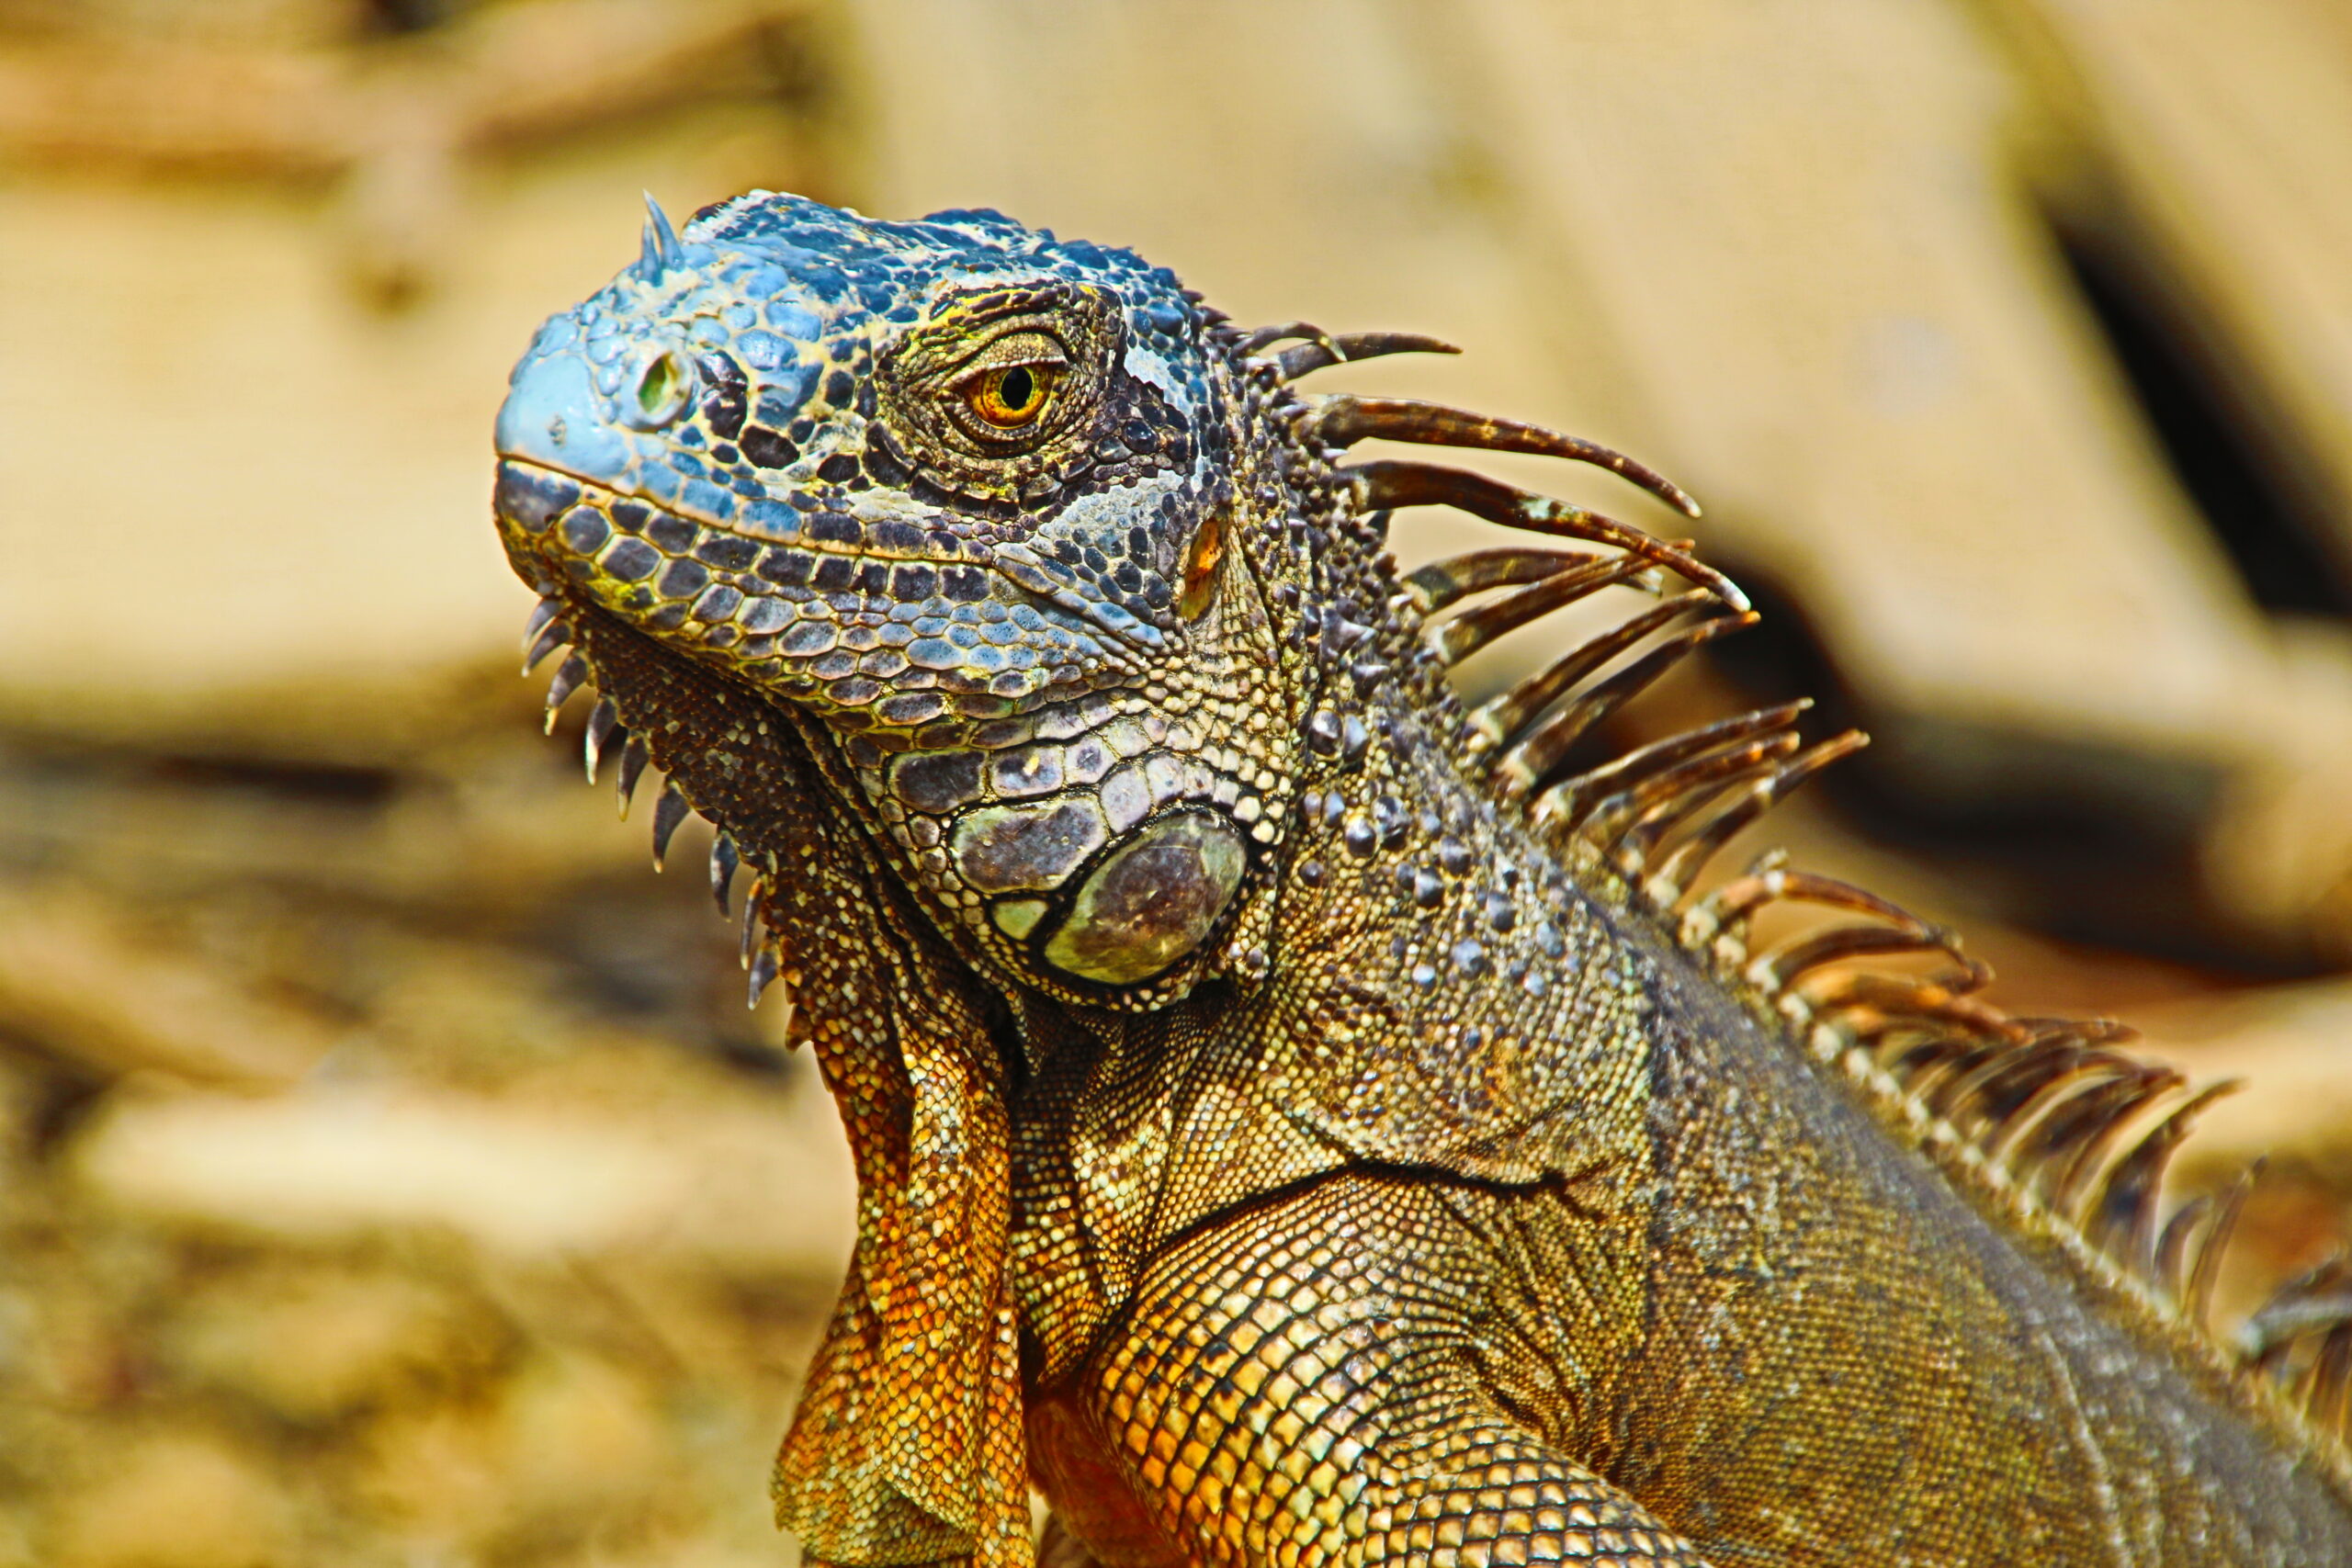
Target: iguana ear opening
column 1201, row 560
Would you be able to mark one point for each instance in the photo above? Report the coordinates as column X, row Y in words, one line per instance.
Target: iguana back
column 1299, row 1119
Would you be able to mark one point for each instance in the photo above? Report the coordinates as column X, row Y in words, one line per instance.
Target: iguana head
column 969, row 505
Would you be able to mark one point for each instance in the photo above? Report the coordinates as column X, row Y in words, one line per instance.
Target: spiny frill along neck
column 2046, row 1125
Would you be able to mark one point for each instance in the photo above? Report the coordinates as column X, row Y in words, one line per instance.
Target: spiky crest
column 2045, row 1123
column 661, row 248
column 1318, row 350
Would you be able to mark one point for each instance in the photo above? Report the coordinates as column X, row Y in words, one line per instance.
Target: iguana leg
column 1287, row 1391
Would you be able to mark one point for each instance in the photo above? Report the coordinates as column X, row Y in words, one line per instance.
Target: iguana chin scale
column 1299, row 1119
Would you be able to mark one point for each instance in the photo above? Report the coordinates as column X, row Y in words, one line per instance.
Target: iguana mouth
column 660, row 559
column 875, row 617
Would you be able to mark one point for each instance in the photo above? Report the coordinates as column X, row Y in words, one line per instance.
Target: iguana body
column 1299, row 1120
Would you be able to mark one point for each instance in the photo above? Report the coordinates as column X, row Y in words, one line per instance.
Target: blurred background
column 390, row 1172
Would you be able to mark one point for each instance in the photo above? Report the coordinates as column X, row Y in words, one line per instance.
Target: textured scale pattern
column 1301, row 1119
column 1287, row 1399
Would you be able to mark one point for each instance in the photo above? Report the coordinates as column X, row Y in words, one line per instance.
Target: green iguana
column 1300, row 1118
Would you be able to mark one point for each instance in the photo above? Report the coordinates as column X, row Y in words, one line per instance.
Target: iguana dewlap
column 1301, row 1119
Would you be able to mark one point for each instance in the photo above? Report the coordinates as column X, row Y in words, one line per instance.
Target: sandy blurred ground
column 389, row 1169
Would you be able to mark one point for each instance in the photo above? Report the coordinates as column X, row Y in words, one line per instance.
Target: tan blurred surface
column 389, row 1172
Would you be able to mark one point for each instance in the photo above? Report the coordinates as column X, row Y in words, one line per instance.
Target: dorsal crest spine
column 2049, row 1124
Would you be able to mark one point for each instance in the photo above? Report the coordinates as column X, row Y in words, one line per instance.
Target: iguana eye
column 1009, row 398
column 663, row 388
column 1008, row 388
column 1010, row 395
column 1004, row 392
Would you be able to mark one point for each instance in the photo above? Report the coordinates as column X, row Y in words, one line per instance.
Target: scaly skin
column 1298, row 1122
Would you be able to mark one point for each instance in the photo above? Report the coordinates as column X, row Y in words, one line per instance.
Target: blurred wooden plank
column 79, row 980
column 490, row 817
column 2217, row 137
column 1321, row 181
column 2276, row 856
column 289, row 110
column 752, row 1184
column 245, row 502
column 1858, row 345
column 2292, row 1045
column 1807, row 228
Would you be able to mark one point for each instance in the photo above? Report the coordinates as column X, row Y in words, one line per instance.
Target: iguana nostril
column 665, row 385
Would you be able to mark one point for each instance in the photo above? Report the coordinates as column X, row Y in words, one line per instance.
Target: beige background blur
column 390, row 1172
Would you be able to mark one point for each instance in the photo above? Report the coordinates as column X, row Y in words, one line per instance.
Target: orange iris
column 1010, row 396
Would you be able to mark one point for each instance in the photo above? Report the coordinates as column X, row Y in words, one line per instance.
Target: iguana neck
column 1441, row 999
